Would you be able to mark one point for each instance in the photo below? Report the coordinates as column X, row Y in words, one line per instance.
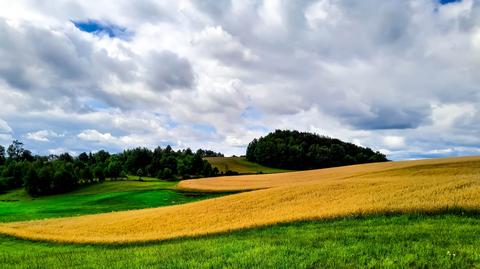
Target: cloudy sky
column 402, row 77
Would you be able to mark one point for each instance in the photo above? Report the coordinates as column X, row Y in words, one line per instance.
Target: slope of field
column 405, row 241
column 399, row 187
column 248, row 182
column 241, row 165
column 108, row 196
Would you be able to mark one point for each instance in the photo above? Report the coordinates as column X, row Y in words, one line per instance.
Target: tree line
column 301, row 150
column 44, row 175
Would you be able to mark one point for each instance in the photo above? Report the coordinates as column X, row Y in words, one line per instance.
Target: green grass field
column 241, row 165
column 443, row 241
column 97, row 198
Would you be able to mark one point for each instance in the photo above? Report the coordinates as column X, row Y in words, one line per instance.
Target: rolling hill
column 426, row 186
column 108, row 196
column 241, row 165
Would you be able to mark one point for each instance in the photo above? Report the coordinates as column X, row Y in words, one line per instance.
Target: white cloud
column 94, row 135
column 271, row 13
column 222, row 45
column 121, row 142
column 394, row 142
column 218, row 73
column 322, row 12
column 4, row 127
column 5, row 139
column 42, row 135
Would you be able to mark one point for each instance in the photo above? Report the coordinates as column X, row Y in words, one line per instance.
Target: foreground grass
column 97, row 198
column 241, row 165
column 443, row 241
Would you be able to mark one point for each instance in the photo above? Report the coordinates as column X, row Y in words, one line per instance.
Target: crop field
column 428, row 186
column 241, row 165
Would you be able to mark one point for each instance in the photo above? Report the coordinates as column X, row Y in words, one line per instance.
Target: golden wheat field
column 410, row 186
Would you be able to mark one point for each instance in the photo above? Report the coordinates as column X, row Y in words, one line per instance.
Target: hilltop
column 241, row 165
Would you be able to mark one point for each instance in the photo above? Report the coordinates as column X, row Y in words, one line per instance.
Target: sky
column 400, row 76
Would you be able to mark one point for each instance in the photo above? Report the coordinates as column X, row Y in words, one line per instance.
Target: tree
column 101, row 156
column 300, row 150
column 114, row 169
column 167, row 173
column 31, row 181
column 86, row 175
column 139, row 174
column 65, row 157
column 63, row 178
column 98, row 172
column 27, row 156
column 44, row 183
column 2, row 155
column 15, row 150
column 83, row 157
column 44, row 175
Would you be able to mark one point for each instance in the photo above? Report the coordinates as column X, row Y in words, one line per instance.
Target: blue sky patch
column 103, row 29
column 445, row 2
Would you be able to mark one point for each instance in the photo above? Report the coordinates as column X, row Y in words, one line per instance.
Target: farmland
column 413, row 187
column 443, row 241
column 241, row 165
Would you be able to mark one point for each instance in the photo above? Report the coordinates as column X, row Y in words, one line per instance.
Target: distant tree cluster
column 301, row 150
column 43, row 175
column 209, row 153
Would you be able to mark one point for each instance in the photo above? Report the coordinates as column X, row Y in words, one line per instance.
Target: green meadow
column 108, row 196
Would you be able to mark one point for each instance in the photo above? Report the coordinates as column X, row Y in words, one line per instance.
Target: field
column 241, row 165
column 97, row 198
column 414, row 187
column 443, row 241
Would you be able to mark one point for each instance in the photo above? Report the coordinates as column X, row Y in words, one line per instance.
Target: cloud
column 94, row 135
column 165, row 70
column 400, row 76
column 106, row 140
column 42, row 135
column 220, row 44
column 394, row 142
column 388, row 117
column 4, row 127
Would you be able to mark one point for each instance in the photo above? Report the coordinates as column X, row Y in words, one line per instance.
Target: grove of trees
column 301, row 150
column 44, row 175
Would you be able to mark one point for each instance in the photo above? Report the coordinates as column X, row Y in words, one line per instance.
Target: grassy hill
column 429, row 186
column 241, row 165
column 103, row 197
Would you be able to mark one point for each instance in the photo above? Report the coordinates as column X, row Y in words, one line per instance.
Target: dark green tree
column 2, row 155
column 15, row 150
column 301, row 150
column 139, row 173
